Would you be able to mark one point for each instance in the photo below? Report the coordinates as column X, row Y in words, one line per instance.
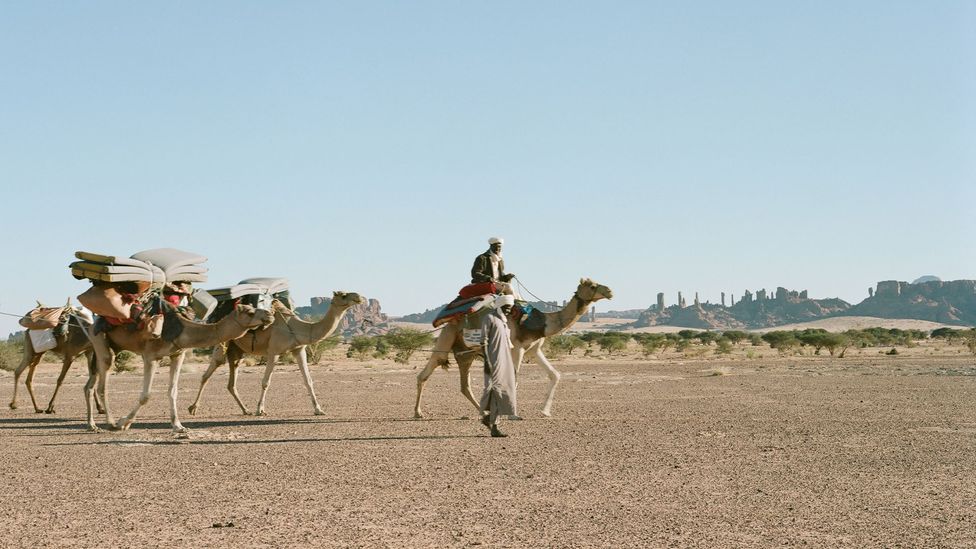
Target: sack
column 479, row 288
column 154, row 326
column 105, row 300
column 42, row 340
column 42, row 318
column 472, row 333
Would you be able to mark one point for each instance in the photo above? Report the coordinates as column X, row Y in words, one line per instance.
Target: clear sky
column 375, row 146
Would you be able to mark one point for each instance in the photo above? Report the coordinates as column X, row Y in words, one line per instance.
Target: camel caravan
column 146, row 304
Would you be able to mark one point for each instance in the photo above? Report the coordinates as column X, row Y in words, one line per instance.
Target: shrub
column 11, row 353
column 947, row 334
column 560, row 345
column 735, row 336
column 651, row 343
column 613, row 341
column 780, row 340
column 360, row 347
column 724, row 347
column 123, row 362
column 406, row 341
column 317, row 349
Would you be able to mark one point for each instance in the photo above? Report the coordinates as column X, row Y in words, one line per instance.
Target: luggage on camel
column 460, row 307
column 43, row 318
column 477, row 289
column 276, row 287
column 42, row 340
column 130, row 290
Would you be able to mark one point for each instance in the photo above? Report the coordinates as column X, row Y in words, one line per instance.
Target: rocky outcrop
column 948, row 302
column 364, row 319
column 762, row 312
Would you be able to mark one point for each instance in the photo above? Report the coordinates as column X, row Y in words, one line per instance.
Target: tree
column 780, row 340
column 723, row 346
column 406, row 341
column 651, row 343
column 360, row 347
column 947, row 334
column 560, row 345
column 317, row 349
column 735, row 336
column 613, row 341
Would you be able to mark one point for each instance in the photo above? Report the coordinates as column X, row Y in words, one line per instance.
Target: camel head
column 590, row 291
column 347, row 299
column 250, row 317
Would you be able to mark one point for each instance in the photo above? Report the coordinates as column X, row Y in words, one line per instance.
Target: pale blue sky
column 375, row 146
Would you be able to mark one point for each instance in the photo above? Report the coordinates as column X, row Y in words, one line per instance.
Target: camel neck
column 559, row 321
column 327, row 324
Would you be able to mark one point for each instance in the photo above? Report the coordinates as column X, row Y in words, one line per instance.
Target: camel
column 524, row 341
column 70, row 345
column 287, row 334
column 193, row 335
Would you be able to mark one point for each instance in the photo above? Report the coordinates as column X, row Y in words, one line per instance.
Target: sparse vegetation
column 406, row 342
column 562, row 345
column 360, row 347
column 123, row 362
column 11, row 353
column 316, row 350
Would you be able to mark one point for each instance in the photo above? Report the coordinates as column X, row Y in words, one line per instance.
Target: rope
column 522, row 286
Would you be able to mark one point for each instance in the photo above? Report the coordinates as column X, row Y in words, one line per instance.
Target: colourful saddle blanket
column 461, row 307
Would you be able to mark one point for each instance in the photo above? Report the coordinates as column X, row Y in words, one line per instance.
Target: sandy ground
column 865, row 451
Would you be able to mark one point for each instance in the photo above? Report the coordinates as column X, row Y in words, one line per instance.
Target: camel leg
column 216, row 359
column 175, row 365
column 64, row 371
column 438, row 357
column 29, row 363
column 148, row 371
column 422, row 378
column 265, row 382
column 97, row 375
column 232, row 387
column 554, row 377
column 301, row 356
column 464, row 366
column 92, row 369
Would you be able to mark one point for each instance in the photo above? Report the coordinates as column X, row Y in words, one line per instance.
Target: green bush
column 360, row 347
column 735, row 336
column 560, row 345
column 782, row 341
column 317, row 349
column 123, row 362
column 406, row 341
column 11, row 353
column 723, row 346
column 613, row 341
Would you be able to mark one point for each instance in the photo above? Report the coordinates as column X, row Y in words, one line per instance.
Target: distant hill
column 944, row 302
column 758, row 311
column 947, row 302
column 365, row 319
column 429, row 315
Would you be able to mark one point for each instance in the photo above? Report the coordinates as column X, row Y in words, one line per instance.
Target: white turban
column 504, row 299
column 496, row 240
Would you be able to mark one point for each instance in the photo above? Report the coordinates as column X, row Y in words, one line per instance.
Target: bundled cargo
column 120, row 283
column 276, row 287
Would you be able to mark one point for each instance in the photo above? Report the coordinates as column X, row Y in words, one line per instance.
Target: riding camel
column 70, row 345
column 287, row 334
column 524, row 341
column 192, row 335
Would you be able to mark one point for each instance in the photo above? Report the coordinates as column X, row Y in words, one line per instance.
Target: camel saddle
column 43, row 318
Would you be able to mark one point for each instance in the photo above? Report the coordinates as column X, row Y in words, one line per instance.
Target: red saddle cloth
column 479, row 288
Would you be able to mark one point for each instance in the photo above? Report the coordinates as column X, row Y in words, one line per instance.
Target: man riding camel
column 490, row 267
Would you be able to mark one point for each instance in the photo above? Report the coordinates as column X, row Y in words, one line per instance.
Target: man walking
column 499, row 395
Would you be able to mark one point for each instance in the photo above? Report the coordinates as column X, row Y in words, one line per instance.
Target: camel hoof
column 122, row 425
column 319, row 412
column 101, row 410
column 180, row 430
column 49, row 411
column 94, row 429
column 515, row 418
column 546, row 413
column 13, row 406
column 260, row 413
column 247, row 413
column 38, row 411
column 192, row 409
column 418, row 415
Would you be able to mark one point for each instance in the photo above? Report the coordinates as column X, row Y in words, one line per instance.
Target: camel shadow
column 190, row 440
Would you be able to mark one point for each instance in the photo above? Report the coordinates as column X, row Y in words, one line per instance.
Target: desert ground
column 683, row 450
